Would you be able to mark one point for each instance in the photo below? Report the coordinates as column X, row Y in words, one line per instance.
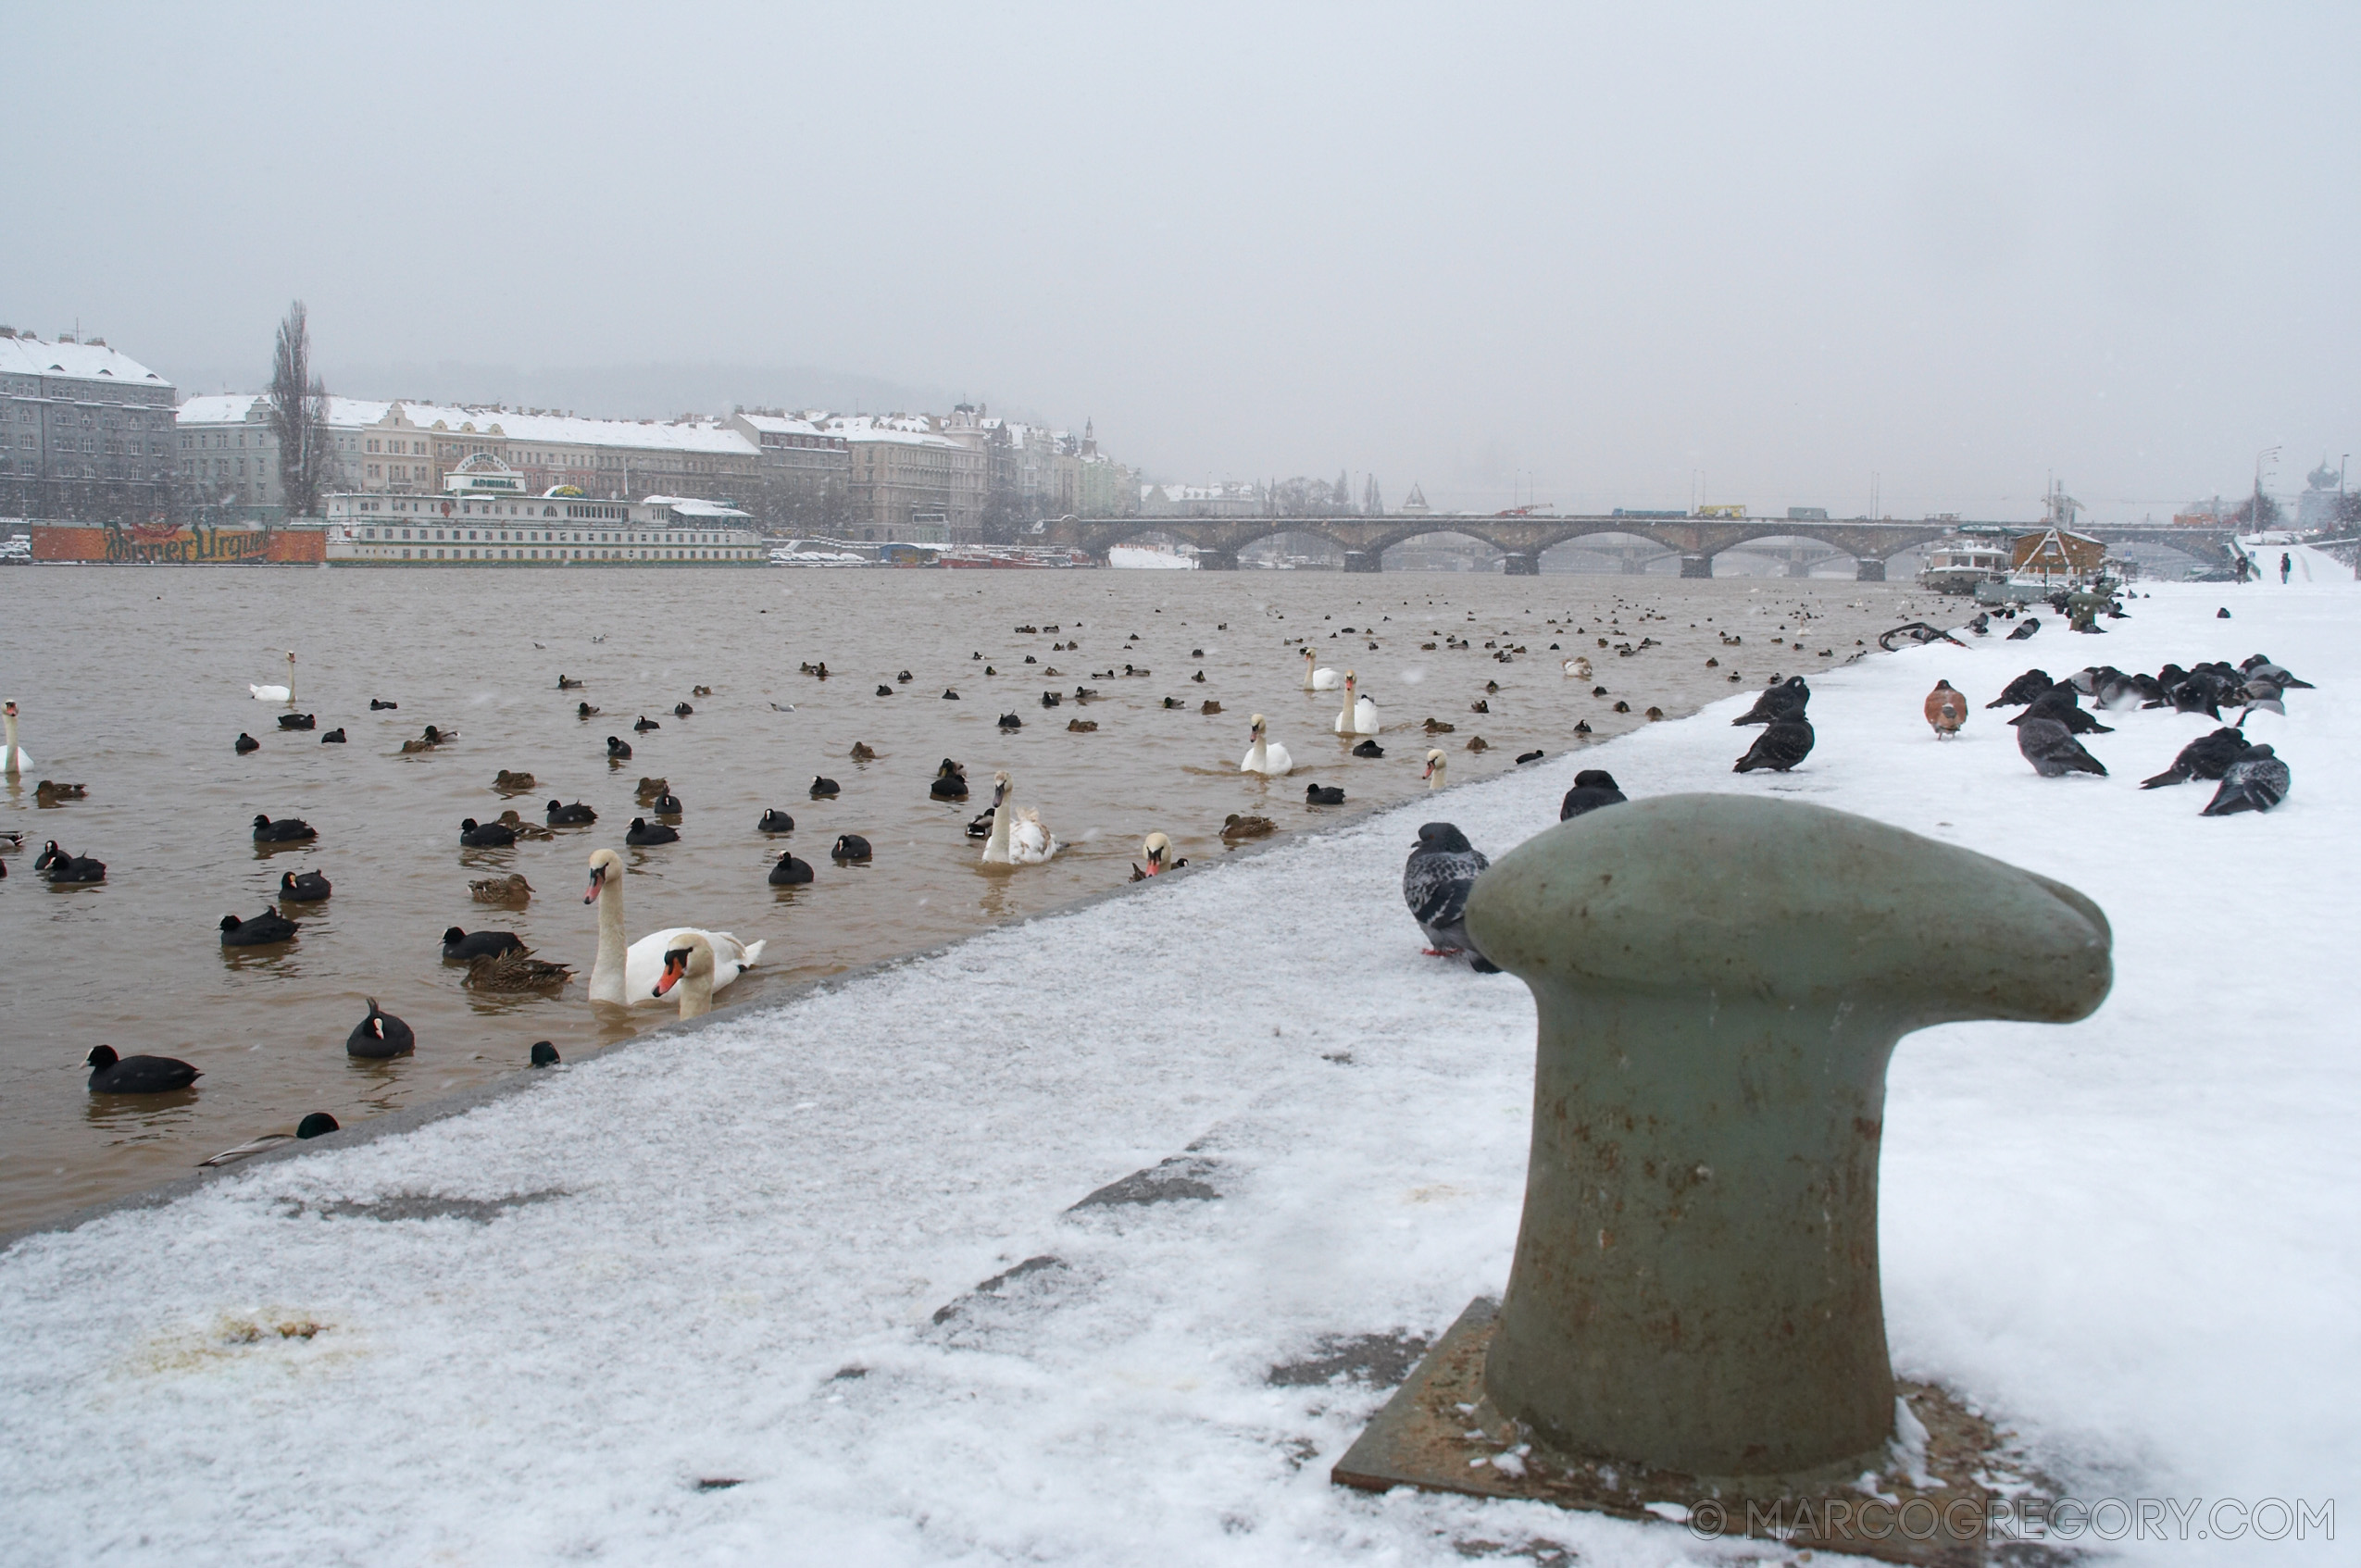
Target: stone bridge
column 1364, row 541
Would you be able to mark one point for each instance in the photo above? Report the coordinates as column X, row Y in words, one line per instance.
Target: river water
column 133, row 681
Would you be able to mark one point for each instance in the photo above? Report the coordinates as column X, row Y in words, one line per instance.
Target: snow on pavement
column 540, row 1329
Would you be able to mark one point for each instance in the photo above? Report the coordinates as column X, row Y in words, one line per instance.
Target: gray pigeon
column 1779, row 748
column 2032, row 624
column 2256, row 781
column 2053, row 750
column 1442, row 869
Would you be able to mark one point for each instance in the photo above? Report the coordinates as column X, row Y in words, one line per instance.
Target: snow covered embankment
column 752, row 1252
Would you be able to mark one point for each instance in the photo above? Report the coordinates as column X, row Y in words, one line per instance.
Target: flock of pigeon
column 2252, row 776
column 1444, row 866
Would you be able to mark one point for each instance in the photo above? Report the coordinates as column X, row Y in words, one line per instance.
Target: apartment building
column 85, row 431
column 908, row 482
column 804, row 473
column 228, row 458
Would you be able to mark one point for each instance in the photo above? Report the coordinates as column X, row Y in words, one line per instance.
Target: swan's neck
column 1309, row 685
column 996, row 847
column 9, row 765
column 1348, row 705
column 696, row 993
column 607, row 970
column 1434, row 777
column 1257, row 756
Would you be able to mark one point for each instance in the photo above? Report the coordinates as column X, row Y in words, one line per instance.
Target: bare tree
column 299, row 418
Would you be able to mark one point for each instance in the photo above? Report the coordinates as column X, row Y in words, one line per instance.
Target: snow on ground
column 724, row 1253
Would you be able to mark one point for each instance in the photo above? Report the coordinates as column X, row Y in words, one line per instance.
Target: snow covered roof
column 696, row 506
column 31, row 357
column 774, row 424
column 556, row 430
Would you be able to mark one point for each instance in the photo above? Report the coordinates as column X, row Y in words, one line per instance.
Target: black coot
column 850, row 846
column 485, row 835
column 286, row 830
column 379, row 1034
column 460, row 947
column 775, row 821
column 307, row 887
column 642, row 831
column 261, row 931
column 790, row 872
column 110, row 1074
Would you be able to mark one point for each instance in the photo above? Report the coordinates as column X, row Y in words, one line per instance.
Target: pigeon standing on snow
column 2058, row 702
column 2032, row 624
column 1436, row 880
column 2053, row 750
column 2256, row 781
column 2208, row 756
column 2022, row 690
column 1593, row 788
column 1779, row 748
column 1784, row 701
column 1946, row 709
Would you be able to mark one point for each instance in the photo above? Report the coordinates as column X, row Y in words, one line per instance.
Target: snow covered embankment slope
column 723, row 1256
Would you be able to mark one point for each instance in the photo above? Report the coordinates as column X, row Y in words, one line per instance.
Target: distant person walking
column 2286, row 565
column 2246, row 567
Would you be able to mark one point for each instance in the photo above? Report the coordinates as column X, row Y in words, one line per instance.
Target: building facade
column 908, row 484
column 229, row 460
column 85, row 432
column 804, row 474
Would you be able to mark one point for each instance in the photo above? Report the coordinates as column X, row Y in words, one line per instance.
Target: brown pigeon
column 1946, row 709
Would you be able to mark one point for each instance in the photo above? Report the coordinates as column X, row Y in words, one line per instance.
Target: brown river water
column 133, row 681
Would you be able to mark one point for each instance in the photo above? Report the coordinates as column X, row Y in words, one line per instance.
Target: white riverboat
column 1960, row 562
column 483, row 517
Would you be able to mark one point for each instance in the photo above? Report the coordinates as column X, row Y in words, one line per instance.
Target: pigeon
column 1982, row 625
column 1779, row 748
column 2277, row 675
column 1593, row 788
column 2022, row 690
column 1436, row 880
column 1946, row 709
column 2256, row 781
column 2208, row 756
column 1784, row 701
column 2222, row 614
column 2058, row 703
column 2053, row 750
column 2032, row 624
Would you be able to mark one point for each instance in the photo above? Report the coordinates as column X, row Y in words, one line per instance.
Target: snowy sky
column 1591, row 256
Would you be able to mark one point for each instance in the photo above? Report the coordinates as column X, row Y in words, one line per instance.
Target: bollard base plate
column 1440, row 1432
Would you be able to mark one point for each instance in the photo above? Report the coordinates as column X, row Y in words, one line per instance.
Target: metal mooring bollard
column 1720, row 981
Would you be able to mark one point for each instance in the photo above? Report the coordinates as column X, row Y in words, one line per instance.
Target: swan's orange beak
column 1428, row 773
column 676, row 965
column 597, row 881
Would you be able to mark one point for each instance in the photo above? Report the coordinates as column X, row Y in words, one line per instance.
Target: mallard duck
column 521, row 829
column 1236, row 827
column 516, row 970
column 511, row 888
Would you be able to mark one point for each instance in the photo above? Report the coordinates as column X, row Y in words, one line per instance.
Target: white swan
column 627, row 977
column 1264, row 758
column 13, row 761
column 688, row 970
column 278, row 693
column 1436, row 763
column 1359, row 716
column 1018, row 836
column 1317, row 680
column 1578, row 667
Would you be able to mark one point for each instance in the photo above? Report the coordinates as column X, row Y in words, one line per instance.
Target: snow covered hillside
column 809, row 1284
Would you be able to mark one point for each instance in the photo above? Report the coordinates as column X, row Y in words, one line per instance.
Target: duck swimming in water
column 263, row 930
column 286, row 830
column 110, row 1074
column 307, row 887
column 379, row 1034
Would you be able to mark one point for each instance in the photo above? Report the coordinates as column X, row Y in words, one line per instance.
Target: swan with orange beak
column 688, row 969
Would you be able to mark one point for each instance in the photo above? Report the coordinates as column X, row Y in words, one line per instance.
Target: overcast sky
column 1596, row 256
